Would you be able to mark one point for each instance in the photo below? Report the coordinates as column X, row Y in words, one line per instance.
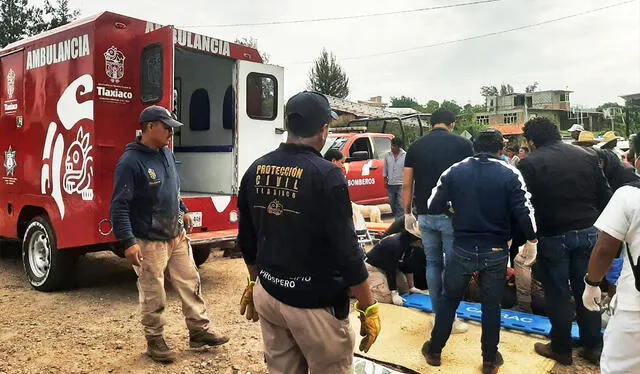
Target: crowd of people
column 463, row 207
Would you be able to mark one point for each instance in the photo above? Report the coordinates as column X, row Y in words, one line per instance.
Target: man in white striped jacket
column 483, row 193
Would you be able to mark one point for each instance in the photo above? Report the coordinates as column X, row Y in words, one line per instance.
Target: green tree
column 59, row 15
column 616, row 113
column 531, row 88
column 506, row 89
column 406, row 102
column 18, row 19
column 252, row 42
column 467, row 120
column 327, row 77
column 452, row 106
column 488, row 91
column 432, row 106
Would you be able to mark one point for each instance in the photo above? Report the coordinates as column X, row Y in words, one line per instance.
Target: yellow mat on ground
column 405, row 330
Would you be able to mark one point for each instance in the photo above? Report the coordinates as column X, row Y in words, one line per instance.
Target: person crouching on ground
column 391, row 254
column 484, row 193
column 151, row 222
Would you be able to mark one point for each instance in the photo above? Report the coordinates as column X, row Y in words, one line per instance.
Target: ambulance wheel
column 200, row 254
column 47, row 268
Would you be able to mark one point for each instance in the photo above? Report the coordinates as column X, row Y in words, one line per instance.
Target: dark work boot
column 591, row 354
column 158, row 350
column 206, row 338
column 491, row 367
column 433, row 359
column 545, row 350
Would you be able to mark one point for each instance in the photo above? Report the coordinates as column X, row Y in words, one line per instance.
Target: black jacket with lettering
column 296, row 226
column 146, row 200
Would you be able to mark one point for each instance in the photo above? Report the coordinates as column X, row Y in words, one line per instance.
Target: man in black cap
column 484, row 193
column 151, row 223
column 298, row 240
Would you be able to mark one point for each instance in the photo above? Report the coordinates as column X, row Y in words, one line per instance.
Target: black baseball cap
column 307, row 112
column 158, row 113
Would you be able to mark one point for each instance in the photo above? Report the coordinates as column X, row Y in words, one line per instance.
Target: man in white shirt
column 619, row 222
column 394, row 176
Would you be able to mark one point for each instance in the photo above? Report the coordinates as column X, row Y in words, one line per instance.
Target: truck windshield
column 334, row 143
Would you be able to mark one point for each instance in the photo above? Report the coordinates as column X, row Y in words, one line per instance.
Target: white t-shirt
column 621, row 219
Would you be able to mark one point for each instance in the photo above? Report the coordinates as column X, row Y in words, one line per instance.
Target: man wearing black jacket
column 484, row 193
column 298, row 241
column 150, row 221
column 569, row 190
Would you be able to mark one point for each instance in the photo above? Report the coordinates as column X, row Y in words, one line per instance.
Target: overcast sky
column 596, row 55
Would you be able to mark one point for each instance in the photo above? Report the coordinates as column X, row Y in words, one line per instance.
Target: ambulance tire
column 47, row 268
column 200, row 254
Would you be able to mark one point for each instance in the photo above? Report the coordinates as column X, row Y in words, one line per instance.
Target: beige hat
column 586, row 138
column 609, row 136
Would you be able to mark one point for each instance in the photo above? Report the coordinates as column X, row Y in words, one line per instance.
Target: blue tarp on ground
column 513, row 320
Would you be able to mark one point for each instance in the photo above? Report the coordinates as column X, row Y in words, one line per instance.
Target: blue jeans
column 395, row 200
column 563, row 259
column 437, row 238
column 491, row 263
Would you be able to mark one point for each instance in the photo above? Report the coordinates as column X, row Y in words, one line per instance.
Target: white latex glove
column 528, row 253
column 396, row 298
column 417, row 290
column 410, row 222
column 591, row 297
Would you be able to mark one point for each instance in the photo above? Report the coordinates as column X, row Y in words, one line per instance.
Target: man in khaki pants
column 297, row 238
column 150, row 221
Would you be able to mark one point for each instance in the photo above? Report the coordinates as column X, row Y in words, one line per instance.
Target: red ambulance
column 69, row 103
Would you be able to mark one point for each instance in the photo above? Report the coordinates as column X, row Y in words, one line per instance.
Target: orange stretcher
column 377, row 228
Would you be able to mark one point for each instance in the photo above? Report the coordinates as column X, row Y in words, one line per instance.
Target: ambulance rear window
column 151, row 77
column 262, row 96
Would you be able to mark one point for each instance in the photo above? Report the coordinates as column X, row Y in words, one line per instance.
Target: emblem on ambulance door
column 114, row 64
column 11, row 83
column 275, row 208
column 10, row 161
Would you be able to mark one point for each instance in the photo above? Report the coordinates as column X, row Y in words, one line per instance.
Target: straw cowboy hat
column 586, row 138
column 609, row 136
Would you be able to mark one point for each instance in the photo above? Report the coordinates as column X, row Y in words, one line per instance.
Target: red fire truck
column 70, row 99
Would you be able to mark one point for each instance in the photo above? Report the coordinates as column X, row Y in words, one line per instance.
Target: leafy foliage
column 19, row 20
column 327, row 77
column 406, row 102
column 531, row 88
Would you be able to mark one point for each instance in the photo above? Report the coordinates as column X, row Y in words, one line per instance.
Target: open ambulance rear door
column 259, row 112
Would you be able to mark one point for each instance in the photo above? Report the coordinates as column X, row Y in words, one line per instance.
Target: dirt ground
column 95, row 327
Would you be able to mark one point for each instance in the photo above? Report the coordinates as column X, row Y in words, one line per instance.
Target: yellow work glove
column 369, row 326
column 246, row 303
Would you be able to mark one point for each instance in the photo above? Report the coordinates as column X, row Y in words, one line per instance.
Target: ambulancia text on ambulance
column 70, row 100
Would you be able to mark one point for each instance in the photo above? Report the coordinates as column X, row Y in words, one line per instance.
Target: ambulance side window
column 151, row 74
column 199, row 110
column 262, row 96
column 229, row 109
